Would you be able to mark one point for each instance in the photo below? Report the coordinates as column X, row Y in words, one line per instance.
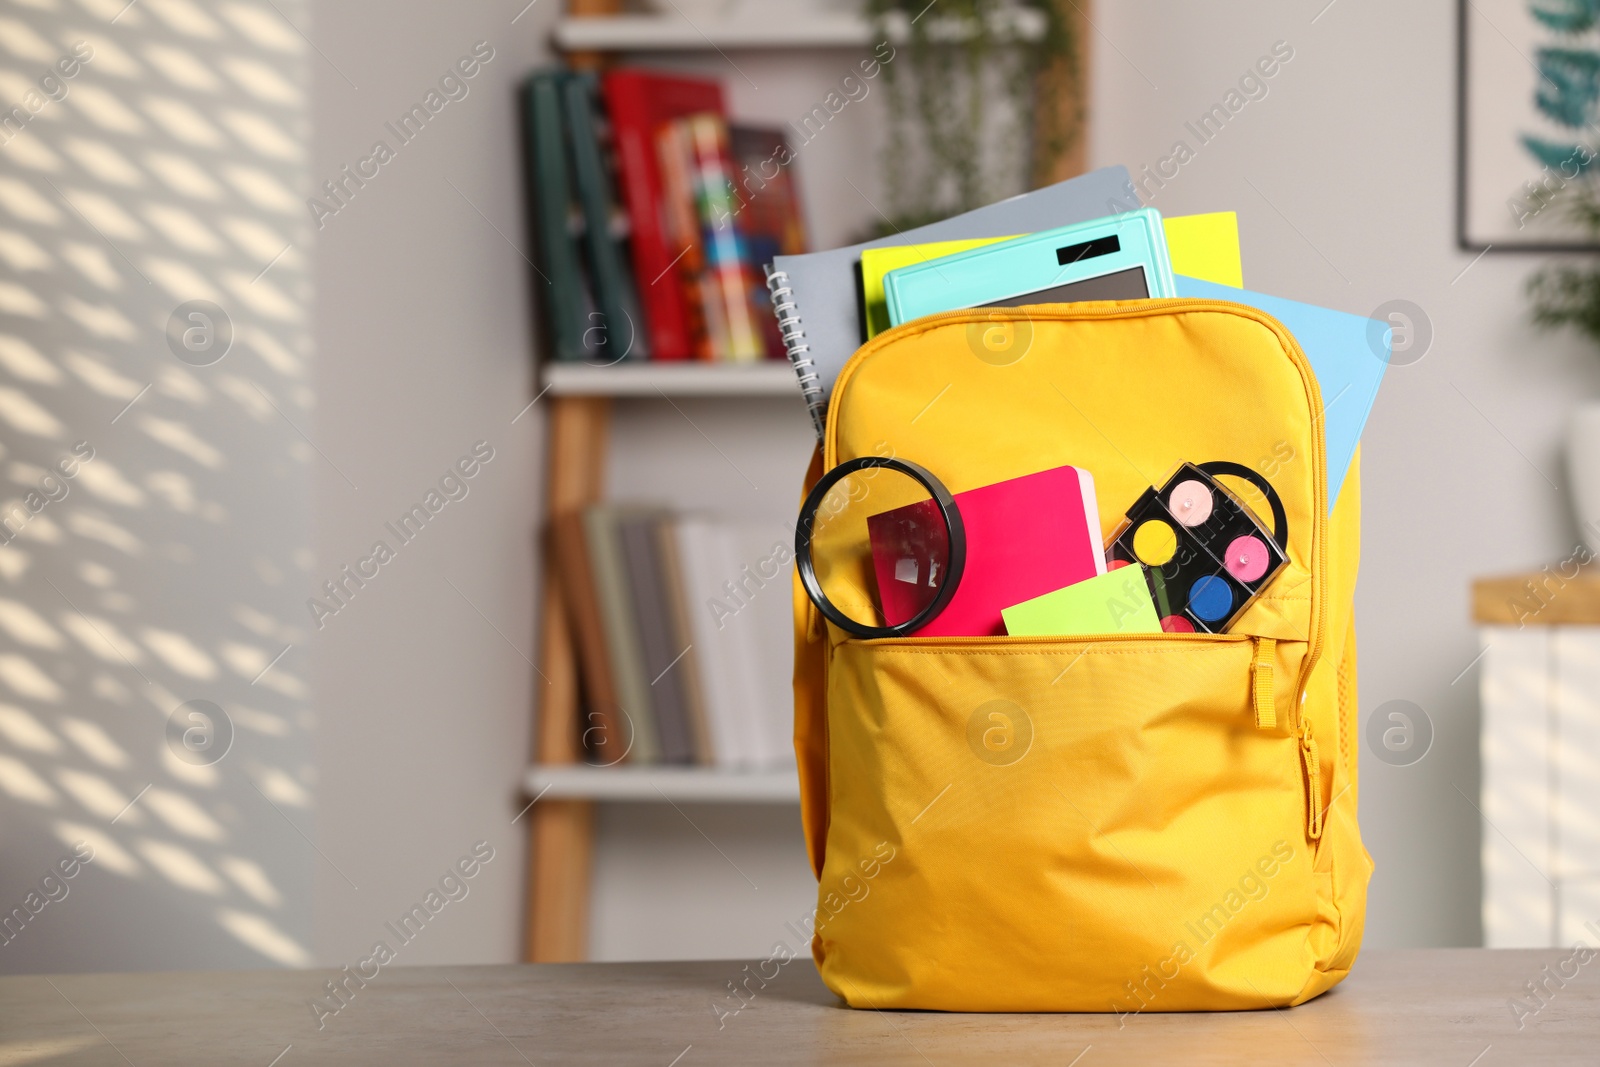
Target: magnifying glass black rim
column 952, row 524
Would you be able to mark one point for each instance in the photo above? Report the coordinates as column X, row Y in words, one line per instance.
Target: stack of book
column 670, row 616
column 654, row 218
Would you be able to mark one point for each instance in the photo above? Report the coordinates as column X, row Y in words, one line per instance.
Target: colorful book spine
column 684, row 630
column 769, row 212
column 706, row 327
column 730, row 277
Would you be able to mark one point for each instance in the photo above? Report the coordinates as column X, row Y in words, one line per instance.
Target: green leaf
column 1563, row 159
column 1569, row 85
column 1566, row 16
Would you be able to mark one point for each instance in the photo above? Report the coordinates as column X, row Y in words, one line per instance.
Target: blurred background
column 282, row 281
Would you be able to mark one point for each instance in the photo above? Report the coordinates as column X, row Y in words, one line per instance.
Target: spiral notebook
column 816, row 299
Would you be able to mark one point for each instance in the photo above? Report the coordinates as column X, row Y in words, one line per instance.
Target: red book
column 639, row 103
column 1025, row 537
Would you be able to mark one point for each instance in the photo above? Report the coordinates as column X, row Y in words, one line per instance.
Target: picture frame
column 1527, row 123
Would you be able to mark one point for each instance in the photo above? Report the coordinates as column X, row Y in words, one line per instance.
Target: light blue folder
column 1348, row 353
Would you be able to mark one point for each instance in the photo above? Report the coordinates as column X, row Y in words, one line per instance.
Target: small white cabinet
column 1540, row 787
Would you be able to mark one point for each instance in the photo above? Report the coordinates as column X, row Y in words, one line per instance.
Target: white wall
column 171, row 567
column 1344, row 178
column 423, row 679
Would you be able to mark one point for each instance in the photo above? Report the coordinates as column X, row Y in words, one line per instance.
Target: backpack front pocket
column 1061, row 824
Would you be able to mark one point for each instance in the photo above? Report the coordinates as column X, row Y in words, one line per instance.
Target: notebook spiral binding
column 795, row 347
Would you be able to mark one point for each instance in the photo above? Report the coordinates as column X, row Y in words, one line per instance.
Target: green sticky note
column 1116, row 602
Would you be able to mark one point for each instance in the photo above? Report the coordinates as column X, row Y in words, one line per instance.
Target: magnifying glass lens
column 880, row 547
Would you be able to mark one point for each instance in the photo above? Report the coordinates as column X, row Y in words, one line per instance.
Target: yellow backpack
column 1162, row 822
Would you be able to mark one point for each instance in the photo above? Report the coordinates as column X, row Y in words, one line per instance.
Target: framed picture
column 1529, row 121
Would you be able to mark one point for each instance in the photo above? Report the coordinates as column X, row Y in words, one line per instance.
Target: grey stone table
column 1453, row 1007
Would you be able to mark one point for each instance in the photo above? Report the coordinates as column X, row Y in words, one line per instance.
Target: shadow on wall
column 155, row 772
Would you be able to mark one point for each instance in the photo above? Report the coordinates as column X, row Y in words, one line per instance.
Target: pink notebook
column 1025, row 537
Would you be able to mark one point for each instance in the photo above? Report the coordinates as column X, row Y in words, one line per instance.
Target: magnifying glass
column 880, row 546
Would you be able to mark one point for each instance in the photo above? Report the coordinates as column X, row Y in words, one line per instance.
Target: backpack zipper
column 1313, row 765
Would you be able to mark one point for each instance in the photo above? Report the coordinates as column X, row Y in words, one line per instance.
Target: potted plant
column 984, row 96
column 1567, row 296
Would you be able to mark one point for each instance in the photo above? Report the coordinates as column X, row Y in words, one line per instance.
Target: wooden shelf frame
column 561, row 832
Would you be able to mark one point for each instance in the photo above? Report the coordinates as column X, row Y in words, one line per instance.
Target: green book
column 1116, row 602
column 619, row 331
column 559, row 277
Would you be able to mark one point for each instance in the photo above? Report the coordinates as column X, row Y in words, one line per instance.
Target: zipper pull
column 1261, row 694
column 1308, row 755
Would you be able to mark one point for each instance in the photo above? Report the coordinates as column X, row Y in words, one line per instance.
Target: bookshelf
column 596, row 414
column 648, row 423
